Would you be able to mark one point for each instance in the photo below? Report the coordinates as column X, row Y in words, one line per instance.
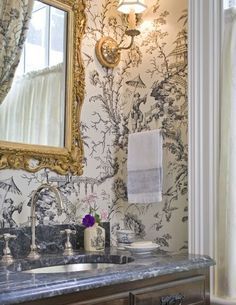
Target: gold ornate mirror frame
column 68, row 159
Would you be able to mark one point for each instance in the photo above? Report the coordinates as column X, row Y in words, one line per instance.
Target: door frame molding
column 204, row 50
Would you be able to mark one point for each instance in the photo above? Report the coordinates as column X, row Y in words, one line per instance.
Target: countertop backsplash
column 48, row 238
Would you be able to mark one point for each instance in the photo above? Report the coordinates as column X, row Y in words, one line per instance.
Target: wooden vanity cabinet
column 187, row 291
column 183, row 288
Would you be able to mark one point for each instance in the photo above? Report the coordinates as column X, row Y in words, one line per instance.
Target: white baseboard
column 219, row 301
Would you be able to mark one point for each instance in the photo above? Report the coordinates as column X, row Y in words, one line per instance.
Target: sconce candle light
column 107, row 49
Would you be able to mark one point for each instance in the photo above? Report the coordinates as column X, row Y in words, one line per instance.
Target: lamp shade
column 126, row 6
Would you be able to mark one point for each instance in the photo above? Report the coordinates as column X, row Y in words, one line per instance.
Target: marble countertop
column 17, row 287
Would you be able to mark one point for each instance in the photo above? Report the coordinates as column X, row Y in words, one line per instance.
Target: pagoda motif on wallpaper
column 147, row 90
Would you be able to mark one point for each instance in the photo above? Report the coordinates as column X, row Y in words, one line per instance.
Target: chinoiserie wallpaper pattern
column 147, row 90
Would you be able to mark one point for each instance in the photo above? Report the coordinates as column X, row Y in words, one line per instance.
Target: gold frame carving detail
column 69, row 159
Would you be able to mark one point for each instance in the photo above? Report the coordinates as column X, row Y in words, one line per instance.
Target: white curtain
column 226, row 249
column 33, row 110
column 14, row 21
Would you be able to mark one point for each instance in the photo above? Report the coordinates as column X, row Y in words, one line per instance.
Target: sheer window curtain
column 34, row 107
column 226, row 248
column 14, row 21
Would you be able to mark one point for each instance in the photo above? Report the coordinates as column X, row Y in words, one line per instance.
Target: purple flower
column 88, row 220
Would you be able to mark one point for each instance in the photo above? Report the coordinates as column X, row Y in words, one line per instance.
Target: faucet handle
column 68, row 232
column 7, row 256
column 68, row 246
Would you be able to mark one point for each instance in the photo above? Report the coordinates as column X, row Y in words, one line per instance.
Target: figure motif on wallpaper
column 163, row 105
column 137, row 116
column 8, row 208
column 7, row 214
column 135, row 113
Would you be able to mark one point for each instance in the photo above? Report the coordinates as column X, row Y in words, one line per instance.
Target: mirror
column 35, row 104
column 40, row 116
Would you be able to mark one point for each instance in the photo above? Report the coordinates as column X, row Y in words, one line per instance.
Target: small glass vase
column 94, row 238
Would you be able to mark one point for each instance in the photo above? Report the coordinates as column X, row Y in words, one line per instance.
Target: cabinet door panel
column 184, row 292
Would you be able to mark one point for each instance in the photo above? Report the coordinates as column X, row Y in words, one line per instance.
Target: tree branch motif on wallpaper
column 168, row 111
column 147, row 90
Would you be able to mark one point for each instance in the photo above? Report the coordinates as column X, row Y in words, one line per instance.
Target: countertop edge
column 141, row 272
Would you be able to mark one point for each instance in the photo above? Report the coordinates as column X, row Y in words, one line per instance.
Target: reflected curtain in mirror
column 14, row 19
column 33, row 111
column 54, row 41
column 35, row 103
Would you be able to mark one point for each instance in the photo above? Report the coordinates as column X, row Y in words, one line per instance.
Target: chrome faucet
column 34, row 252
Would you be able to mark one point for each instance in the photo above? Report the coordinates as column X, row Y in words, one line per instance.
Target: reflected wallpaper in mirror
column 33, row 111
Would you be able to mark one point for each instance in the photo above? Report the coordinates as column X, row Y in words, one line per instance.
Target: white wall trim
column 220, row 301
column 204, row 79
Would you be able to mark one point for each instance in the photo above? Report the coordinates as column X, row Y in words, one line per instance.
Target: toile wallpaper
column 147, row 90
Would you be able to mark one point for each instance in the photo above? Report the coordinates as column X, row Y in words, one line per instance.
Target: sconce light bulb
column 132, row 20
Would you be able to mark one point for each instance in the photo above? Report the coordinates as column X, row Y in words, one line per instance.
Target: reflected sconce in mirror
column 107, row 49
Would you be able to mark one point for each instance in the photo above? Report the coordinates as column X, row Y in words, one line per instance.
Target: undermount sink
column 75, row 263
column 70, row 268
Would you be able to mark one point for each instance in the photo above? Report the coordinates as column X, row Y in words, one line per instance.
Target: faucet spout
column 34, row 251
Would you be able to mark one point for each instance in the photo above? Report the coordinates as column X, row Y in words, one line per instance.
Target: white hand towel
column 145, row 167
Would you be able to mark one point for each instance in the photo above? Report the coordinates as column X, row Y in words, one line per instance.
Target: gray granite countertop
column 17, row 287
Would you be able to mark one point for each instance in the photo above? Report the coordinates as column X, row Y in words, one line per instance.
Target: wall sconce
column 107, row 49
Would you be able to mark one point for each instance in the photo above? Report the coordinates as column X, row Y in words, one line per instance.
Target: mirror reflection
column 33, row 112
